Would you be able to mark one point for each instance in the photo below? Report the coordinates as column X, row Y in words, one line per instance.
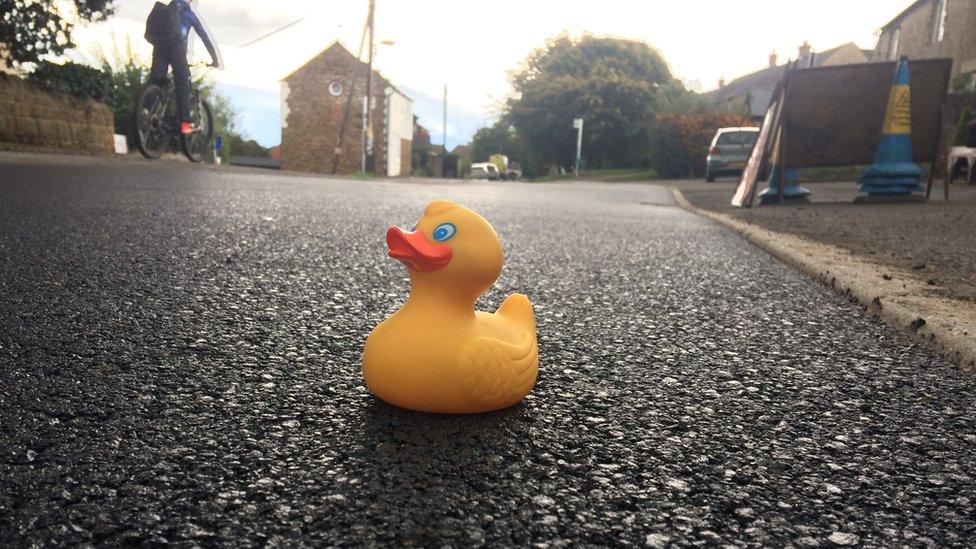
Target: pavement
column 181, row 345
column 934, row 240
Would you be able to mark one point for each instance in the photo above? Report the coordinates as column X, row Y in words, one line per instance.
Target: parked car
column 514, row 172
column 507, row 171
column 729, row 152
column 484, row 170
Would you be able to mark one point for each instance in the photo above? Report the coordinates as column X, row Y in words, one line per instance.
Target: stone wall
column 36, row 118
column 312, row 115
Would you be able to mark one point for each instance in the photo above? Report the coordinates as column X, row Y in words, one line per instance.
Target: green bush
column 127, row 80
column 680, row 142
column 959, row 133
column 963, row 83
column 81, row 81
column 419, row 154
column 129, row 73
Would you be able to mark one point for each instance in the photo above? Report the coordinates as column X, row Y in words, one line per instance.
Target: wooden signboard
column 832, row 116
column 746, row 192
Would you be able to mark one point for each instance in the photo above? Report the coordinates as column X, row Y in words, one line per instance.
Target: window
column 893, row 51
column 737, row 138
column 938, row 24
column 335, row 88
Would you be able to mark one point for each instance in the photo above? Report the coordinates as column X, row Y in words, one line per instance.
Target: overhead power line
column 276, row 31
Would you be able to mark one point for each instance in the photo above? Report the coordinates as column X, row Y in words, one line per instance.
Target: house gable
column 919, row 32
column 337, row 54
column 751, row 93
column 330, row 55
column 905, row 13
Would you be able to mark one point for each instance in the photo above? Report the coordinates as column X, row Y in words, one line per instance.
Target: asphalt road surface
column 180, row 352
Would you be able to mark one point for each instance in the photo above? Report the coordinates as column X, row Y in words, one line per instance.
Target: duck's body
column 437, row 354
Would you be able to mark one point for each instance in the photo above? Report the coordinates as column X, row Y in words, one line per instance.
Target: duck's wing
column 518, row 309
column 495, row 373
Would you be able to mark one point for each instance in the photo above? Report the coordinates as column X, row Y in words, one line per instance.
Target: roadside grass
column 615, row 175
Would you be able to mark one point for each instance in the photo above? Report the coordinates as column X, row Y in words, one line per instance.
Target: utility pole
column 578, row 124
column 352, row 93
column 444, row 137
column 367, row 159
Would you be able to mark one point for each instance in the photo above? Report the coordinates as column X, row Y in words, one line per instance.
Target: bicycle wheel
column 149, row 122
column 196, row 145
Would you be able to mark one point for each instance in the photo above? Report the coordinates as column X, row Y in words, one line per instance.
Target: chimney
column 721, row 82
column 773, row 59
column 805, row 49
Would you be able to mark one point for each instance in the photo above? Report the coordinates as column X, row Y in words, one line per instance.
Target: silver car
column 729, row 152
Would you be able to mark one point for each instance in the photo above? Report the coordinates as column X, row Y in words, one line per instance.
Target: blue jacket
column 191, row 21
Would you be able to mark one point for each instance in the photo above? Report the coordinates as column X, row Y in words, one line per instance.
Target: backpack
column 164, row 26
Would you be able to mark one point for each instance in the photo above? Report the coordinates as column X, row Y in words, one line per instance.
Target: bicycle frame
column 155, row 121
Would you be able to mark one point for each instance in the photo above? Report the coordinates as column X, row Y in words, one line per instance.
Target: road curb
column 899, row 299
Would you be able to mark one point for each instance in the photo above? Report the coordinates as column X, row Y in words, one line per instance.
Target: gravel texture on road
column 180, row 352
column 935, row 240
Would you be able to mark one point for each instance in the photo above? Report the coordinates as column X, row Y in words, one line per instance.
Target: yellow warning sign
column 898, row 118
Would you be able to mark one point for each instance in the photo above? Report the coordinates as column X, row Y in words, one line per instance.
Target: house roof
column 337, row 48
column 767, row 77
column 770, row 76
column 898, row 18
column 462, row 150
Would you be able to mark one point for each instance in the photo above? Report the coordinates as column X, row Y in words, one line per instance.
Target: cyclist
column 168, row 30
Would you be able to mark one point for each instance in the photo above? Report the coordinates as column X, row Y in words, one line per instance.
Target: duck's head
column 451, row 246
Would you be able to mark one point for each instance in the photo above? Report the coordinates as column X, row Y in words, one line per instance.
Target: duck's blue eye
column 444, row 231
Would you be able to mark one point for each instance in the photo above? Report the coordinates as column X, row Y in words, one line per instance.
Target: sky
column 472, row 45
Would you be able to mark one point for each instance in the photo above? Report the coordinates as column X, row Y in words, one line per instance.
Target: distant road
column 180, row 346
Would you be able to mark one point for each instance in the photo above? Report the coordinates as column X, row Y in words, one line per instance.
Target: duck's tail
column 518, row 308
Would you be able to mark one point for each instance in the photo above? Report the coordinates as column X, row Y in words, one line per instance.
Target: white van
column 484, row 170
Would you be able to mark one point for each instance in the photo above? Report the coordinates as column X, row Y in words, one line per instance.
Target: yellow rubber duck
column 437, row 353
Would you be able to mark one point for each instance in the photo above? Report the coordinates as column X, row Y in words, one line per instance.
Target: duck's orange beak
column 414, row 251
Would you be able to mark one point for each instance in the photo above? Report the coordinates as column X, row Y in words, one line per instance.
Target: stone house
column 750, row 94
column 932, row 29
column 313, row 107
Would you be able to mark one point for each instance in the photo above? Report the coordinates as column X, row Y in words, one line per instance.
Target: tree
column 128, row 74
column 676, row 98
column 499, row 138
column 610, row 82
column 30, row 29
column 238, row 146
column 224, row 113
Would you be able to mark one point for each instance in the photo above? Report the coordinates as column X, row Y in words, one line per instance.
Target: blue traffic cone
column 792, row 191
column 893, row 172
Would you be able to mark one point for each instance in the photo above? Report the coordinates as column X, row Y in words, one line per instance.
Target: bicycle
column 154, row 123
